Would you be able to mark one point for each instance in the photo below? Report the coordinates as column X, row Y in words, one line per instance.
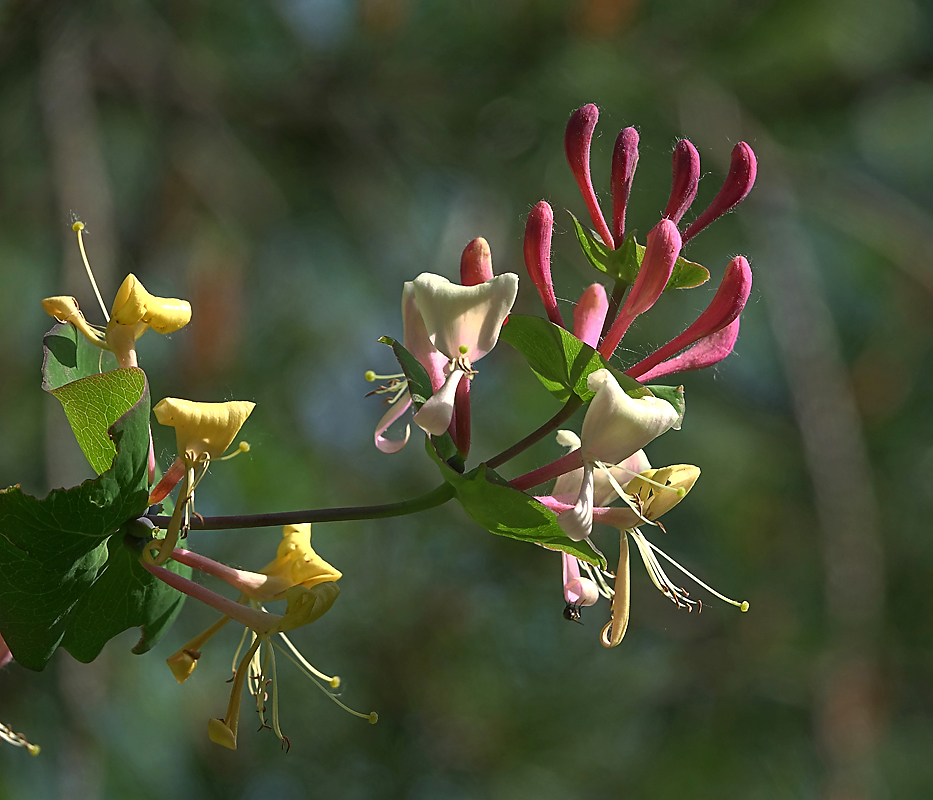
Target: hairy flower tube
column 615, row 427
column 203, row 432
column 463, row 323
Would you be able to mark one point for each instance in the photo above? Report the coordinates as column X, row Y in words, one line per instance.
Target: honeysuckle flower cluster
column 610, row 413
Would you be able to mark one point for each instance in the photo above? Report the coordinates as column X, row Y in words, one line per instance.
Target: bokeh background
column 285, row 165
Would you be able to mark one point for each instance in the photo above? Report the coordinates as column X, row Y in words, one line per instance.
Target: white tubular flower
column 615, row 427
column 463, row 323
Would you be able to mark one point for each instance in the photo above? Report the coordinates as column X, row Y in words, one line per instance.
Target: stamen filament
column 10, row 736
column 371, row 716
column 743, row 606
column 334, row 680
column 78, row 228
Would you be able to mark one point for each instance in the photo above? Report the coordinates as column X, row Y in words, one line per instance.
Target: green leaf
column 505, row 511
column 617, row 264
column 624, row 263
column 419, row 384
column 675, row 396
column 560, row 360
column 93, row 404
column 68, row 356
column 65, row 578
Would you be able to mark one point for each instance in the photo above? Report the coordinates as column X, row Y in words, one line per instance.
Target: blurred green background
column 285, row 165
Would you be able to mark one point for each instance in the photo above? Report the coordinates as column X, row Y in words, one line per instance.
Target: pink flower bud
column 725, row 307
column 590, row 314
column 537, row 250
column 685, row 166
column 661, row 253
column 624, row 161
column 476, row 263
column 735, row 189
column 460, row 428
column 577, row 139
column 705, row 353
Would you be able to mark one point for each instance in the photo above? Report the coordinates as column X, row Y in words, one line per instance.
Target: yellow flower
column 134, row 311
column 203, row 432
column 295, row 564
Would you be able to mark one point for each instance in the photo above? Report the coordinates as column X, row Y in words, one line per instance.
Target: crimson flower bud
column 476, row 263
column 577, row 139
column 685, row 166
column 724, row 309
column 661, row 253
column 705, row 353
column 624, row 161
column 735, row 189
column 537, row 249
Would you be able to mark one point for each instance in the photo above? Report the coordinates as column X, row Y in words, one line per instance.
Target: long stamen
column 372, row 716
column 676, row 594
column 596, row 576
column 743, row 606
column 78, row 228
column 333, row 680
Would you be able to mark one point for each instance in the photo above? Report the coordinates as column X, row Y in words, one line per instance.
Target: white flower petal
column 468, row 317
column 616, row 425
column 395, row 411
column 416, row 340
column 577, row 522
column 435, row 415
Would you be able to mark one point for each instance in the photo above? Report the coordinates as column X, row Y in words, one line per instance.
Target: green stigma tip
column 744, row 606
column 464, row 349
column 78, row 225
column 369, row 375
column 373, row 717
column 244, row 447
column 681, row 492
column 335, row 682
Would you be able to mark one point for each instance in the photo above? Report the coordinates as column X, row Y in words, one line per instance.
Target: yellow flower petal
column 134, row 305
column 306, row 605
column 656, row 501
column 295, row 564
column 203, row 428
column 65, row 309
column 220, row 734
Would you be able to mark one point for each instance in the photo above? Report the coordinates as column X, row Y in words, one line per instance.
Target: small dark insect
column 573, row 613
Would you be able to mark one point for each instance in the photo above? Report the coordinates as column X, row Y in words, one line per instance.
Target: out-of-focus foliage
column 285, row 166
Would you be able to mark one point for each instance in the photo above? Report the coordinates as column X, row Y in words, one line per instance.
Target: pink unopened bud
column 685, row 167
column 590, row 314
column 705, row 353
column 661, row 253
column 624, row 161
column 735, row 189
column 537, row 250
column 725, row 307
column 577, row 139
column 476, row 263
